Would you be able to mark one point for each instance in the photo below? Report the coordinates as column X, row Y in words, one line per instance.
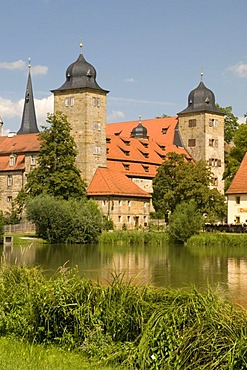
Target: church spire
column 29, row 122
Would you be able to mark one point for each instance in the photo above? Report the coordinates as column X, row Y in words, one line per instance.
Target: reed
column 137, row 326
column 218, row 239
column 133, row 237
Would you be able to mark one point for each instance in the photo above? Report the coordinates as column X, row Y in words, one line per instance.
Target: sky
column 148, row 53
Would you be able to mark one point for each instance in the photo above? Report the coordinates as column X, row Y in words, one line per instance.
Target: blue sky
column 148, row 53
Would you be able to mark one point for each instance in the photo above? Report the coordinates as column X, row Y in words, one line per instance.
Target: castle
column 118, row 161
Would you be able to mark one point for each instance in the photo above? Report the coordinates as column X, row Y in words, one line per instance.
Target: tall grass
column 218, row 239
column 141, row 327
column 133, row 237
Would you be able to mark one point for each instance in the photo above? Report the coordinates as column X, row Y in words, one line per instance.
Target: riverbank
column 122, row 324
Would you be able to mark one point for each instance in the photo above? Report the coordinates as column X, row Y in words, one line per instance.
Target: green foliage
column 142, row 327
column 2, row 222
column 56, row 173
column 60, row 221
column 230, row 122
column 236, row 154
column 133, row 237
column 178, row 180
column 184, row 222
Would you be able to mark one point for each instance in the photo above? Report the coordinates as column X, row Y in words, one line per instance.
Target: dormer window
column 146, row 168
column 144, row 144
column 12, row 159
column 162, row 147
column 146, row 155
column 164, row 130
column 126, row 166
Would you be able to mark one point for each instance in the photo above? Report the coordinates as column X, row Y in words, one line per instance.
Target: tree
column 65, row 221
column 230, row 123
column 236, row 154
column 56, row 173
column 185, row 222
column 178, row 180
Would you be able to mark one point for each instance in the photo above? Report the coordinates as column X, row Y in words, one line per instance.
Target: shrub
column 184, row 222
column 71, row 221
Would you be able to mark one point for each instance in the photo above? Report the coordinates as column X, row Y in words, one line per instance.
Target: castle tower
column 83, row 101
column 201, row 126
column 29, row 122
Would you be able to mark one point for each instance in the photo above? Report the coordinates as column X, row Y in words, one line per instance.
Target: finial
column 29, row 63
column 140, row 117
column 81, row 45
column 201, row 75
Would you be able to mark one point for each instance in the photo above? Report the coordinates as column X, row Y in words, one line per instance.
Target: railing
column 23, row 227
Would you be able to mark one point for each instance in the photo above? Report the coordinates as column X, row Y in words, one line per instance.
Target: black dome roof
column 79, row 75
column 201, row 99
column 139, row 131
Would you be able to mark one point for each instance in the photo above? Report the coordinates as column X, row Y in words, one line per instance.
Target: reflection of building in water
column 134, row 266
column 237, row 279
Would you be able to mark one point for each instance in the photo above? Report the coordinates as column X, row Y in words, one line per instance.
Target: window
column 214, row 181
column 69, row 102
column 216, row 143
column 191, row 142
column 33, row 160
column 192, row 122
column 129, row 203
column 146, row 168
column 10, row 180
column 214, row 162
column 213, row 122
column 9, row 199
column 97, row 126
column 129, row 219
column 237, row 220
column 126, row 166
column 119, row 218
column 213, row 142
column 103, row 203
column 96, row 102
column 120, row 203
column 11, row 160
column 97, row 150
column 237, row 199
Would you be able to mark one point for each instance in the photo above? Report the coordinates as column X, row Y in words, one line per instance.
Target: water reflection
column 167, row 265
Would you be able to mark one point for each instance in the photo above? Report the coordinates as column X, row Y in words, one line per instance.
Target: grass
column 217, row 239
column 133, row 237
column 120, row 324
column 18, row 355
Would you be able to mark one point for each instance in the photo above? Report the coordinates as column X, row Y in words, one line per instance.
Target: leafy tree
column 56, row 173
column 230, row 122
column 185, row 222
column 236, row 154
column 61, row 221
column 163, row 116
column 178, row 180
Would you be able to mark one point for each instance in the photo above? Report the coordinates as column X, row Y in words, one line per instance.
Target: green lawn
column 16, row 355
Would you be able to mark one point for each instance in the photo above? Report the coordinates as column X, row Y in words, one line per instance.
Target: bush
column 71, row 221
column 184, row 222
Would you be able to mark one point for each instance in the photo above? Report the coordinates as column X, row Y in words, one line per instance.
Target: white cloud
column 115, row 116
column 21, row 65
column 11, row 109
column 135, row 101
column 39, row 70
column 129, row 80
column 239, row 70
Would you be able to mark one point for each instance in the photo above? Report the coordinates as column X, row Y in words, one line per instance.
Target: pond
column 224, row 268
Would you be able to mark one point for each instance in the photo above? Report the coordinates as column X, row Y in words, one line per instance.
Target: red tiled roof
column 239, row 183
column 131, row 155
column 19, row 144
column 108, row 182
column 19, row 163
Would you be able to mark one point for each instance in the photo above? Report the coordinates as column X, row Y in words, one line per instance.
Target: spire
column 29, row 122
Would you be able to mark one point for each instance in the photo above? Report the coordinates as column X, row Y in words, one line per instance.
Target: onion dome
column 80, row 75
column 139, row 131
column 201, row 99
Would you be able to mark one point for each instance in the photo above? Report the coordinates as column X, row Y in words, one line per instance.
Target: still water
column 224, row 268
